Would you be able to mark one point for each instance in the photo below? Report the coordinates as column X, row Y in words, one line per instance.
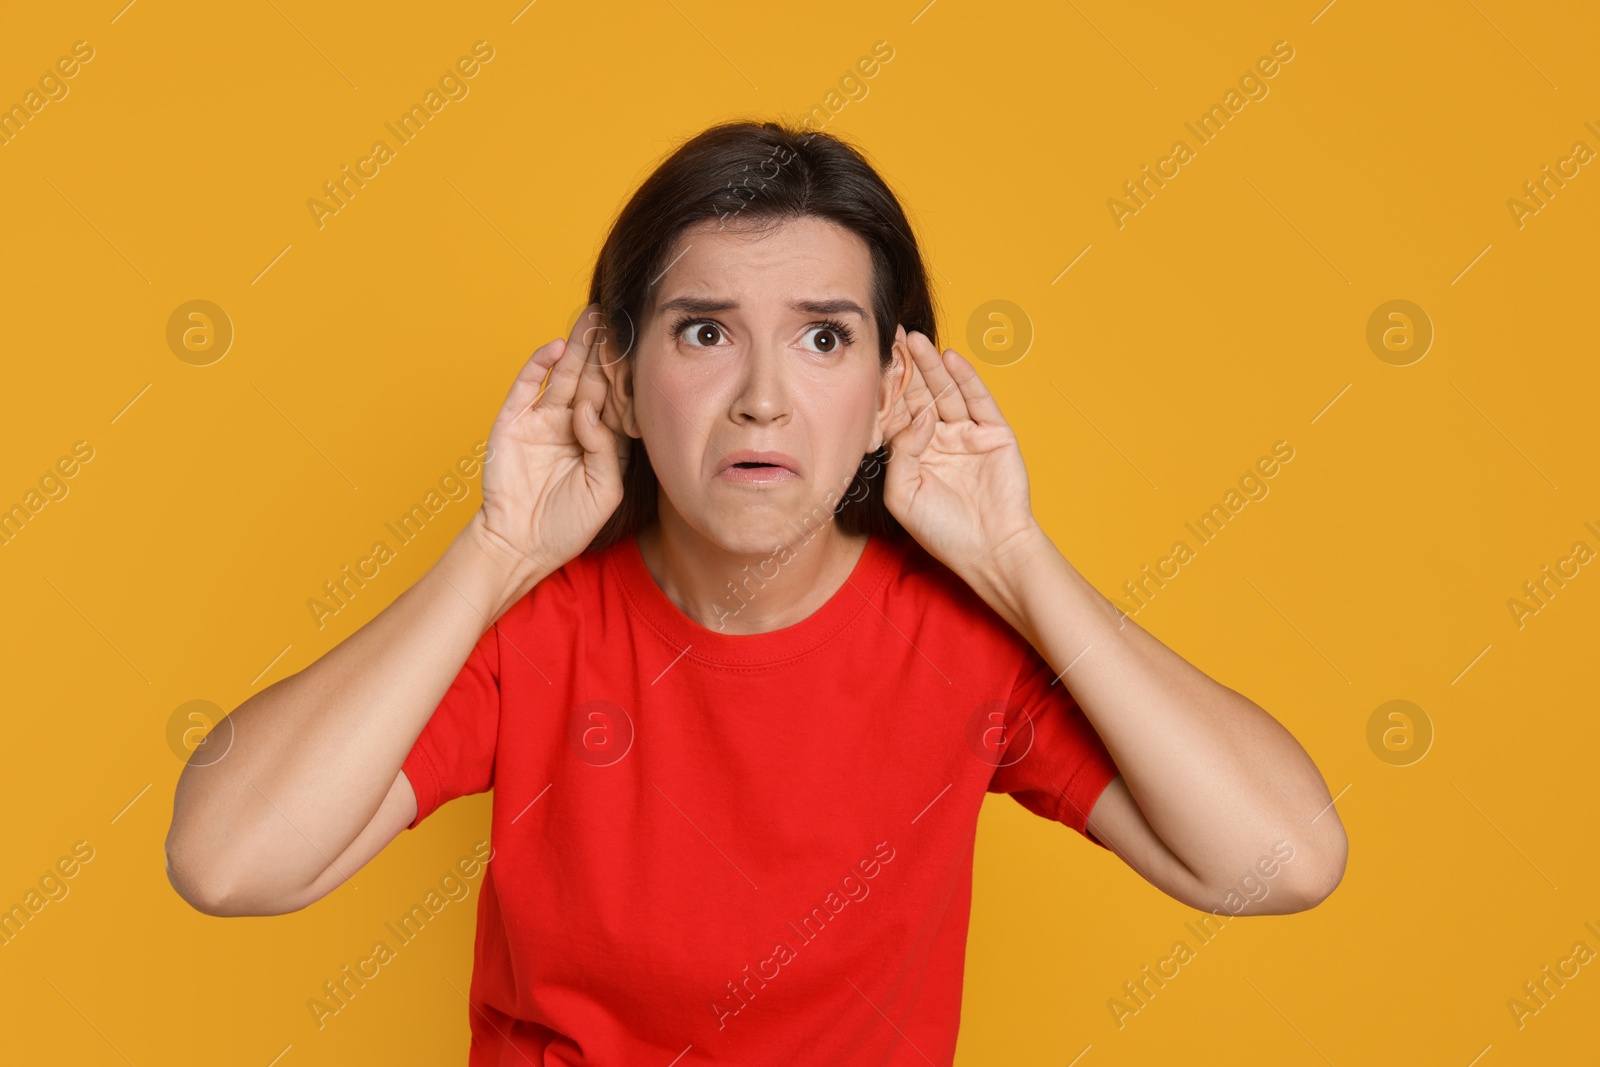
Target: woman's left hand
column 956, row 480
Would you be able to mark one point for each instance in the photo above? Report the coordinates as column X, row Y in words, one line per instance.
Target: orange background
column 1230, row 312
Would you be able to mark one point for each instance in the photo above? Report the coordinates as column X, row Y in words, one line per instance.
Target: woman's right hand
column 552, row 477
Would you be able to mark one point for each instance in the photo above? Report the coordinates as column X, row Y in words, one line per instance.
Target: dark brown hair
column 757, row 174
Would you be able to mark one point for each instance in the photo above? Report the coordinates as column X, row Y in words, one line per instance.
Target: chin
column 760, row 530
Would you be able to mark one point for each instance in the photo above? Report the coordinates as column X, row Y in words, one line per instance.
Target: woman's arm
column 287, row 812
column 1210, row 781
column 1210, row 784
column 312, row 757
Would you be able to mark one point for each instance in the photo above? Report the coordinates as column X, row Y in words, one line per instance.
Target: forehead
column 806, row 258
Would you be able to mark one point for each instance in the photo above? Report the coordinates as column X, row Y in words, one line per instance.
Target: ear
column 892, row 385
column 618, row 367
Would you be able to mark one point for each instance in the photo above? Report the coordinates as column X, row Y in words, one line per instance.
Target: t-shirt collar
column 717, row 648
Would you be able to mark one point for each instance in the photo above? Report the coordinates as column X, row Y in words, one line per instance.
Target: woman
column 753, row 615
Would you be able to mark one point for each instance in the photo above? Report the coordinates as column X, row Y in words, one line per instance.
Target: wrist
column 1009, row 573
column 507, row 573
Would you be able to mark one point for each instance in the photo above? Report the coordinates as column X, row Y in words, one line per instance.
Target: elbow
column 210, row 889
column 1320, row 878
column 191, row 858
column 215, row 897
column 199, row 888
column 209, row 867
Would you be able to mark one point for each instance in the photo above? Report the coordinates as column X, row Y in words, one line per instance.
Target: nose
column 763, row 394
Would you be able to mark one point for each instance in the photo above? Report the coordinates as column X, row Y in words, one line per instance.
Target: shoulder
column 923, row 587
column 918, row 573
column 566, row 593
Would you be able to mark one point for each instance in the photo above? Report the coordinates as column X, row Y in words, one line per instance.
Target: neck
column 736, row 592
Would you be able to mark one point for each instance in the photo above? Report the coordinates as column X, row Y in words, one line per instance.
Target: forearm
column 1216, row 777
column 310, row 758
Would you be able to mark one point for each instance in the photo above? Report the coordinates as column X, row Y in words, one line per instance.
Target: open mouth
column 750, row 472
column 758, row 466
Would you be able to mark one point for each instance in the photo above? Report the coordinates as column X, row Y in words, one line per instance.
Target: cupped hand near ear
column 956, row 480
column 553, row 472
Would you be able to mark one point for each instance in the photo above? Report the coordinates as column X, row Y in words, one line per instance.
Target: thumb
column 599, row 447
column 905, row 463
column 585, row 428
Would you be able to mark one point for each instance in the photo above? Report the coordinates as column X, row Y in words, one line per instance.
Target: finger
column 563, row 385
column 593, row 436
column 914, row 437
column 916, row 395
column 947, row 398
column 899, row 419
column 525, row 390
column 913, row 397
column 920, row 432
column 592, row 383
column 603, row 460
column 980, row 402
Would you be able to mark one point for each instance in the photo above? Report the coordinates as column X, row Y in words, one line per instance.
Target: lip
column 784, row 466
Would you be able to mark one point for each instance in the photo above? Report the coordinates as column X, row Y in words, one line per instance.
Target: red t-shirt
column 753, row 849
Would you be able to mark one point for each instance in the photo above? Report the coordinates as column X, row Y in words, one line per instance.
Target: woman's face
column 761, row 341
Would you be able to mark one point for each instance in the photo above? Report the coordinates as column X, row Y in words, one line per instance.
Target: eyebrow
column 709, row 305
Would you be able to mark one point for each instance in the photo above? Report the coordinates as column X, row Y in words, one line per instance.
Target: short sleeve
column 1055, row 764
column 454, row 755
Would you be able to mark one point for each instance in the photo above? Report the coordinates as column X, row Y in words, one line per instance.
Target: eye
column 704, row 334
column 841, row 336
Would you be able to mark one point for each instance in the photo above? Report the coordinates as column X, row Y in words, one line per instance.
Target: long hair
column 757, row 174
